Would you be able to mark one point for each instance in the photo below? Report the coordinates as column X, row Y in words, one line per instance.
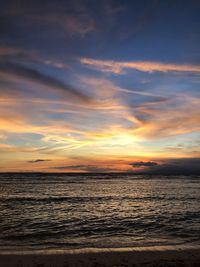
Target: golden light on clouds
column 118, row 67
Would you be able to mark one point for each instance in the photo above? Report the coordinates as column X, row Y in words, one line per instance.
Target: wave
column 76, row 199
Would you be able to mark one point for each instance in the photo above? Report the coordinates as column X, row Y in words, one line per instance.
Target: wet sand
column 148, row 257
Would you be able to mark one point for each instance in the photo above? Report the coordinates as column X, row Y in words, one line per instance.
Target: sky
column 99, row 86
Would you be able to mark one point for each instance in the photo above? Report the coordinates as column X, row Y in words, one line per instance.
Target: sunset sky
column 97, row 86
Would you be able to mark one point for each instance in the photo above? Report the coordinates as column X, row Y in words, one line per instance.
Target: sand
column 153, row 256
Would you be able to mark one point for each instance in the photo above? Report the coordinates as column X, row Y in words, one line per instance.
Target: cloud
column 2, row 137
column 170, row 119
column 70, row 19
column 7, row 51
column 181, row 166
column 72, row 25
column 139, row 164
column 110, row 128
column 38, row 160
column 34, row 75
column 7, row 148
column 118, row 67
column 85, row 168
column 104, row 88
column 73, row 18
column 82, row 24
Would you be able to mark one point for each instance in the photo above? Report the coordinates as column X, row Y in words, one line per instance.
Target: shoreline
column 183, row 256
column 49, row 251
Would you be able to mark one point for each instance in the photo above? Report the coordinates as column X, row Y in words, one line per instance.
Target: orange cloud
column 118, row 67
column 9, row 51
column 171, row 121
column 105, row 127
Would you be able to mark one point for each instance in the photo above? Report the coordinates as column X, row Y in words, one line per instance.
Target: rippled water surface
column 112, row 210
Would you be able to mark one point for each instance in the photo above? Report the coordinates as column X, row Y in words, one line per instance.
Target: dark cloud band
column 144, row 164
column 38, row 77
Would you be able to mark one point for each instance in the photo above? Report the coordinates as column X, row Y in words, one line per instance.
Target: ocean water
column 42, row 211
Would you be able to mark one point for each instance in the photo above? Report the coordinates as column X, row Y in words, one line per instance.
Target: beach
column 173, row 256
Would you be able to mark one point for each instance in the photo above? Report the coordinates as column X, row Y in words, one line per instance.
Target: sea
column 73, row 211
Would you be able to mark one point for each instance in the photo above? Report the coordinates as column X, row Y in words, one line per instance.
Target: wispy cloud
column 34, row 75
column 83, row 168
column 118, row 67
column 7, row 51
column 109, row 127
column 170, row 119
